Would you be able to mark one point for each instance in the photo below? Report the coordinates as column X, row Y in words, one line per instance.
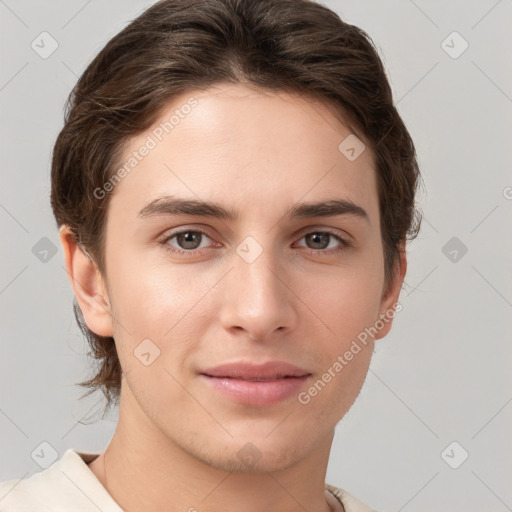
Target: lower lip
column 248, row 392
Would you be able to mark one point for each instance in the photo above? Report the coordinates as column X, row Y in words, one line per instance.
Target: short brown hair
column 180, row 45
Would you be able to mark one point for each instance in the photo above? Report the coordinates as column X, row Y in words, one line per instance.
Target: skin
column 177, row 439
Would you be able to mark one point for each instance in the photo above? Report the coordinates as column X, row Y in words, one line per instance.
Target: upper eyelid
column 207, row 229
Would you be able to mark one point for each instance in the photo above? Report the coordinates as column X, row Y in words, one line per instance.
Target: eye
column 191, row 241
column 319, row 241
column 188, row 241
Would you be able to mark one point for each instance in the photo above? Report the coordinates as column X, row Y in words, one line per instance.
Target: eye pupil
column 189, row 239
column 321, row 239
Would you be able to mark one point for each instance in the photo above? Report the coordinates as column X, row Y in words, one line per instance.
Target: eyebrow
column 169, row 205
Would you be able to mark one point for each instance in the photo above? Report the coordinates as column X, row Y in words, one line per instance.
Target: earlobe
column 390, row 297
column 88, row 285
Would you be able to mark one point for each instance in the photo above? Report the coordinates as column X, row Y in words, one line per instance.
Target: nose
column 258, row 299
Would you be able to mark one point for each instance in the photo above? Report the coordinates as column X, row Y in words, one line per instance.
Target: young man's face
column 262, row 287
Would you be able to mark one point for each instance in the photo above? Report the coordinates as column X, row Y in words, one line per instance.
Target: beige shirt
column 68, row 485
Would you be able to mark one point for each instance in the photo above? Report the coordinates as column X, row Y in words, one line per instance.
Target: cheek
column 160, row 303
column 148, row 297
column 349, row 311
column 346, row 303
column 336, row 386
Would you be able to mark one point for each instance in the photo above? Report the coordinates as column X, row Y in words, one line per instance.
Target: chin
column 253, row 453
column 254, row 461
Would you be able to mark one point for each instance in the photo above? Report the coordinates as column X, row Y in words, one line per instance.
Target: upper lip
column 244, row 370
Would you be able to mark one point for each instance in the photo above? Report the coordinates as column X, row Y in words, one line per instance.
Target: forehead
column 247, row 148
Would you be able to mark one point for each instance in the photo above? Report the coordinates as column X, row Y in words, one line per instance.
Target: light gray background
column 444, row 372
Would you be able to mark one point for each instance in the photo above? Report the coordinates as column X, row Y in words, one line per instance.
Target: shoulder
column 350, row 503
column 67, row 485
column 17, row 496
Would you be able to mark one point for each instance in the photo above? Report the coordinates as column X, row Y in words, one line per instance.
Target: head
column 263, row 108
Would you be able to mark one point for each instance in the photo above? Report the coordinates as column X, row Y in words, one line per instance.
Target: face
column 229, row 316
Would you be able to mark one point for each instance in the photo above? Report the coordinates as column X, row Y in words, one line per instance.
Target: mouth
column 255, row 379
column 256, row 384
column 270, row 370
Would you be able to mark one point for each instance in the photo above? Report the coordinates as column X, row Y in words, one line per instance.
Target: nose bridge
column 257, row 299
column 256, row 269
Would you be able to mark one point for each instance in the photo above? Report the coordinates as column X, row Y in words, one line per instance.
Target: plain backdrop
column 439, row 386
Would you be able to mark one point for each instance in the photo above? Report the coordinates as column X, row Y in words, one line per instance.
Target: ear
column 390, row 295
column 88, row 285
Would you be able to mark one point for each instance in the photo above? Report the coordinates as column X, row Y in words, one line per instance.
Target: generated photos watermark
column 151, row 142
column 304, row 397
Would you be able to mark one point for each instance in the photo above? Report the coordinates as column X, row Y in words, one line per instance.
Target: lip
column 246, row 371
column 256, row 384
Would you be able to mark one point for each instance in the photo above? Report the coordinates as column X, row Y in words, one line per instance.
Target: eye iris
column 187, row 238
column 318, row 238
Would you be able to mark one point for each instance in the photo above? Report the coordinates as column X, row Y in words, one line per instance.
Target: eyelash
column 344, row 244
